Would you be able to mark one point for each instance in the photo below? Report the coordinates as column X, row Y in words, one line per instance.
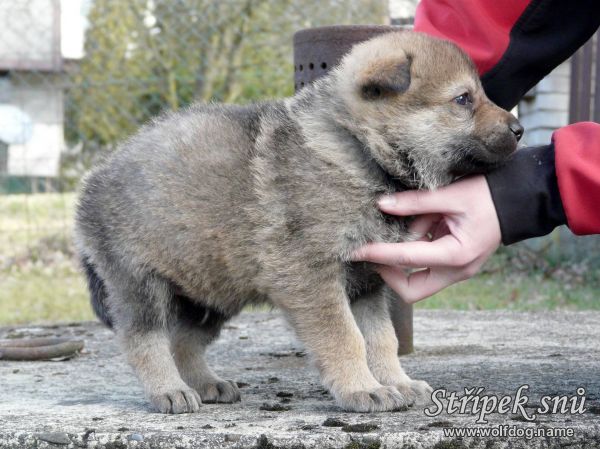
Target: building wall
column 31, row 63
column 30, row 35
column 546, row 107
column 42, row 100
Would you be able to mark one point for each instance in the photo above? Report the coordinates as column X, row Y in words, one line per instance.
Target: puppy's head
column 417, row 104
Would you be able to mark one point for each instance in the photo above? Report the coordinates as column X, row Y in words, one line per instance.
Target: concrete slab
column 95, row 401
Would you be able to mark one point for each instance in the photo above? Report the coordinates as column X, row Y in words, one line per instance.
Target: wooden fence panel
column 585, row 73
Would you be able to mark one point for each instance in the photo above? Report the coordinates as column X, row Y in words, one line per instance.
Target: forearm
column 544, row 187
column 525, row 194
column 577, row 149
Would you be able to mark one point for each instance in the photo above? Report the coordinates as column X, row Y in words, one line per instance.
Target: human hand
column 456, row 230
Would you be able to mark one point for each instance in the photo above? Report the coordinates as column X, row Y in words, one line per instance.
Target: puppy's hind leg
column 196, row 328
column 373, row 318
column 142, row 311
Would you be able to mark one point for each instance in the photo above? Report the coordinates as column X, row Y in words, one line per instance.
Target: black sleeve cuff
column 525, row 194
column 546, row 34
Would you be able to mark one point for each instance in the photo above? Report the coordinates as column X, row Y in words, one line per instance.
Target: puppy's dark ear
column 385, row 78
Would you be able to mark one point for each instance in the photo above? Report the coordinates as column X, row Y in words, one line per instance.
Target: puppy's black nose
column 516, row 129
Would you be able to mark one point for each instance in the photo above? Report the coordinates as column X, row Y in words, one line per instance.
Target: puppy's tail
column 97, row 293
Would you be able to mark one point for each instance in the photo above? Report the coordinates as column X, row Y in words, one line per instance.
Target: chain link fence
column 79, row 76
column 82, row 75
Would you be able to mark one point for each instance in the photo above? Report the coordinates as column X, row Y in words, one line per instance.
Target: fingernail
column 386, row 200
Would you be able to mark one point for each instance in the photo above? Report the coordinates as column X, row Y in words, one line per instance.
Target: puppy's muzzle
column 481, row 154
column 500, row 139
column 516, row 128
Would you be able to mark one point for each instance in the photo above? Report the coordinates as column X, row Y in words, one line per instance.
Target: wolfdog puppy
column 215, row 207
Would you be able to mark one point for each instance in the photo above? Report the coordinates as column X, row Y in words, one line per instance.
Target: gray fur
column 216, row 207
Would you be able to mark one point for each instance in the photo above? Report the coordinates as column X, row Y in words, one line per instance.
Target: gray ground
column 95, row 401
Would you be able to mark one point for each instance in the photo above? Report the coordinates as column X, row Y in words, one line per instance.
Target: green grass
column 28, row 220
column 39, row 278
column 43, row 295
column 525, row 292
column 41, row 283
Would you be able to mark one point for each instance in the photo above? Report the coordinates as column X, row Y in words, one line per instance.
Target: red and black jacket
column 514, row 44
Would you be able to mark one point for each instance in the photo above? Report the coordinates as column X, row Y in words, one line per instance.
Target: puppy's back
column 173, row 198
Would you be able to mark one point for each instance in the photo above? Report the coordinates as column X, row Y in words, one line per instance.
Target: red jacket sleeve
column 481, row 28
column 514, row 45
column 577, row 160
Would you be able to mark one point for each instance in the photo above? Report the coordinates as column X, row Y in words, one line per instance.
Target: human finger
column 419, row 202
column 423, row 225
column 445, row 251
column 418, row 285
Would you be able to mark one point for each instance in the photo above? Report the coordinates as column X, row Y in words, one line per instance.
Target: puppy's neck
column 336, row 138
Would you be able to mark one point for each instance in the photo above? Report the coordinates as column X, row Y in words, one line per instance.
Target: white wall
column 41, row 99
column 35, row 36
column 30, row 34
column 546, row 106
column 72, row 25
column 402, row 9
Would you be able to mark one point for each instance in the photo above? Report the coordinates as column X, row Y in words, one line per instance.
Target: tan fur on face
column 422, row 115
column 385, row 77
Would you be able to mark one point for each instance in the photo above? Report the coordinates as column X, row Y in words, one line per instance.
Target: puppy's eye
column 371, row 92
column 464, row 99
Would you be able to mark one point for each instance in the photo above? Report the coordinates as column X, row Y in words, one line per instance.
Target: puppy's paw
column 409, row 394
column 421, row 390
column 381, row 399
column 223, row 391
column 177, row 401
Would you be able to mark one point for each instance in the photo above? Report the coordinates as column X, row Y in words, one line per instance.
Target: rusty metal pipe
column 316, row 51
column 29, row 349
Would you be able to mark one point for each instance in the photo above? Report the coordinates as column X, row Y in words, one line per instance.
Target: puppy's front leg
column 321, row 315
column 373, row 318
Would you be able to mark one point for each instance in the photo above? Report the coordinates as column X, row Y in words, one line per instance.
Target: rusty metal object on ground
column 316, row 51
column 28, row 349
